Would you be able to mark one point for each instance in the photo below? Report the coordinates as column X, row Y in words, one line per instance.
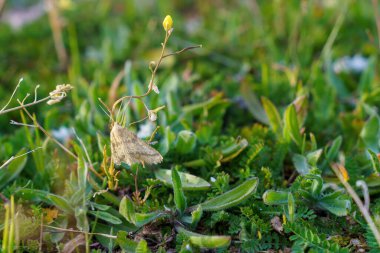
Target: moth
column 128, row 148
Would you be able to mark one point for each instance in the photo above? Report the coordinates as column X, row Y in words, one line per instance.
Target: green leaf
column 335, row 203
column 144, row 218
column 189, row 182
column 142, row 247
column 61, row 203
column 233, row 150
column 314, row 156
column 127, row 210
column 125, row 244
column 291, row 127
column 253, row 103
column 232, row 197
column 186, row 141
column 206, row 241
column 196, row 216
column 370, row 134
column 273, row 116
column 81, row 219
column 368, row 76
column 291, row 206
column 333, row 151
column 13, row 169
column 301, row 164
column 271, row 197
column 179, row 196
column 106, row 217
column 375, row 161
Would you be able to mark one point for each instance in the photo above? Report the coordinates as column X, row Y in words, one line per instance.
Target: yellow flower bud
column 167, row 23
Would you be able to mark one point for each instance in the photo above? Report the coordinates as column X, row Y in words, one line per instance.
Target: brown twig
column 151, row 82
column 23, row 106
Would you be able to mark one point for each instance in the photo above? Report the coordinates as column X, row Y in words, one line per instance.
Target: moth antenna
column 130, row 124
column 105, row 106
column 105, row 112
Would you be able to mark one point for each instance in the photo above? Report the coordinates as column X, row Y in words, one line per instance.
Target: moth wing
column 127, row 147
column 116, row 151
column 148, row 154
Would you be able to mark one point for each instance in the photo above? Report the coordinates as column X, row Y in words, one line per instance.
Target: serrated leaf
column 232, row 197
column 189, row 182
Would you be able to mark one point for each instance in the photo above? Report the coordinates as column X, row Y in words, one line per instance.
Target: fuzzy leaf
column 186, row 141
column 206, row 241
column 127, row 210
column 272, row 197
column 291, row 127
column 273, row 115
column 144, row 218
column 232, row 197
column 126, row 244
column 106, row 217
column 189, row 182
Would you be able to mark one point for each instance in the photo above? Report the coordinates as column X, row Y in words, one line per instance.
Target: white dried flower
column 59, row 93
column 152, row 115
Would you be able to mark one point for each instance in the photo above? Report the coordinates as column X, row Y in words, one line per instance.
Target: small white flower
column 145, row 130
column 59, row 93
column 152, row 115
column 63, row 134
column 346, row 64
column 212, row 179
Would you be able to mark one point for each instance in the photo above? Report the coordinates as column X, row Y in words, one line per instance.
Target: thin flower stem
column 151, row 79
column 46, row 132
column 181, row 51
column 87, row 156
column 23, row 106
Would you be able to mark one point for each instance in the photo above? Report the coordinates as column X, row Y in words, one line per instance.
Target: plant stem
column 359, row 203
column 23, row 106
